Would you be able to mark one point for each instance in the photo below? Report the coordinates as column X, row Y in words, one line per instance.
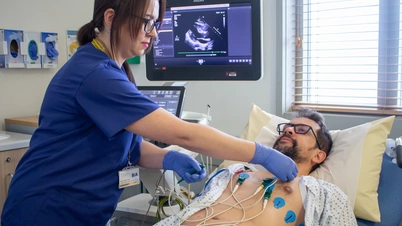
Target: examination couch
column 357, row 164
column 389, row 195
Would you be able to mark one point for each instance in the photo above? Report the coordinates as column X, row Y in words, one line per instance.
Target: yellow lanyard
column 100, row 45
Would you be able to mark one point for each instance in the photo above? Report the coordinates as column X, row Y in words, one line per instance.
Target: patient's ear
column 319, row 157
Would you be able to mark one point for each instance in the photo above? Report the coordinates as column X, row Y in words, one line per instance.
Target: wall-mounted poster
column 72, row 44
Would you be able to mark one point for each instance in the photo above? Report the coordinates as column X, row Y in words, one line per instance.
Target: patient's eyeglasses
column 298, row 128
column 150, row 24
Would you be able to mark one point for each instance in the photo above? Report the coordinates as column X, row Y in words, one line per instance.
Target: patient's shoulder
column 326, row 198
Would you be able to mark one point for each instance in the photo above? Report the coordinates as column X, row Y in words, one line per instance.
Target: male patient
column 238, row 195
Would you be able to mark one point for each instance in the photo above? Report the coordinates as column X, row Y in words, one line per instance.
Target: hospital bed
column 389, row 191
column 357, row 164
column 389, row 195
column 262, row 128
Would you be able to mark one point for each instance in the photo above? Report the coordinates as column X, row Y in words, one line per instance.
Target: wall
column 21, row 91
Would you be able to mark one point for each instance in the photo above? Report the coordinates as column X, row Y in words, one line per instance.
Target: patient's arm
column 284, row 207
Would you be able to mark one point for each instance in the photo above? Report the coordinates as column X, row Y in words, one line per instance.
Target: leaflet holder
column 10, row 49
column 32, row 49
column 50, row 58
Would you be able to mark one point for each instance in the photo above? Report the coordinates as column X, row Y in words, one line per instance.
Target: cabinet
column 8, row 162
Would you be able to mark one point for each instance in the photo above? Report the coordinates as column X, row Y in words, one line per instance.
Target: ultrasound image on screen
column 200, row 32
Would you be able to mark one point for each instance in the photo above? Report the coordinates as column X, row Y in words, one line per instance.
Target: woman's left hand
column 184, row 165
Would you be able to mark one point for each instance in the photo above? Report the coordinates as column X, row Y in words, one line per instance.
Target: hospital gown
column 324, row 203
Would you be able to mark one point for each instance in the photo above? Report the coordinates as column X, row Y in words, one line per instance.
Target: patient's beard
column 292, row 152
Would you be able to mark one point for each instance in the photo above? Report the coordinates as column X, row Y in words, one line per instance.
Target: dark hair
column 125, row 11
column 323, row 135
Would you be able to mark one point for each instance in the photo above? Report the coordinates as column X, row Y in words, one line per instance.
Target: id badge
column 129, row 177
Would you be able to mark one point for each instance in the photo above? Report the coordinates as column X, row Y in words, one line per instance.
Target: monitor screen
column 207, row 40
column 171, row 98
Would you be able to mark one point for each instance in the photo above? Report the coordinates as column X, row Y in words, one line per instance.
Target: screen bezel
column 169, row 88
column 211, row 72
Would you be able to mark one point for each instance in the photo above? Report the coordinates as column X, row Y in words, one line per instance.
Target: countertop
column 14, row 140
column 27, row 121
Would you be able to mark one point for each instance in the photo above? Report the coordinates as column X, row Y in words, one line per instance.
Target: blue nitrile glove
column 275, row 162
column 184, row 165
column 33, row 50
column 51, row 51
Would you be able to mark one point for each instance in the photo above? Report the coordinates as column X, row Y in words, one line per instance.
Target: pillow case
column 353, row 164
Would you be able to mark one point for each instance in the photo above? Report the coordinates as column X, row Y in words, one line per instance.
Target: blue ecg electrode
column 290, row 217
column 279, row 202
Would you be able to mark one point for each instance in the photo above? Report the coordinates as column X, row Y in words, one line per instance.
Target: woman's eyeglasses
column 298, row 128
column 150, row 24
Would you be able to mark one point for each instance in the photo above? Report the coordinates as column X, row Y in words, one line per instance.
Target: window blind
column 347, row 55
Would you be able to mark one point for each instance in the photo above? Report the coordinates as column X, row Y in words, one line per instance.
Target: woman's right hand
column 185, row 166
column 283, row 167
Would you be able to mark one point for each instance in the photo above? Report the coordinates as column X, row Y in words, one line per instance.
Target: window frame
column 389, row 37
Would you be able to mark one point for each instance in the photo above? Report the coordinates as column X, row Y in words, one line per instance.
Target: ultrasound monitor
column 207, row 40
column 170, row 98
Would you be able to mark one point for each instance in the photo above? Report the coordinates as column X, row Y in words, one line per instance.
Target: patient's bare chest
column 246, row 206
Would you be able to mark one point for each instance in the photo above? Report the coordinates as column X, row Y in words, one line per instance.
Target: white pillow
column 353, row 164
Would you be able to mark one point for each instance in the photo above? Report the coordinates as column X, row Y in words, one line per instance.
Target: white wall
column 21, row 91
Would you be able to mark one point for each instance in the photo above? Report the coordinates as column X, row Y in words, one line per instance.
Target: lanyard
column 100, row 45
column 129, row 164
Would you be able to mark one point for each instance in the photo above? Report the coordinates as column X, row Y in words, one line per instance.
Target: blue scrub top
column 69, row 175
